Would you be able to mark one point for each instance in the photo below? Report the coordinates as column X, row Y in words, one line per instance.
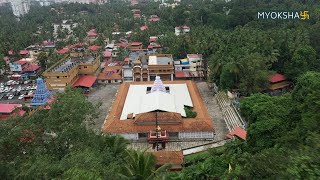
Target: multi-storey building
column 67, row 71
column 191, row 67
column 146, row 69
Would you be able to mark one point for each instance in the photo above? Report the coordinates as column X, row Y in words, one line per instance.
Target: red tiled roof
column 181, row 74
column 94, row 48
column 194, row 55
column 8, row 108
column 142, row 28
column 32, row 67
column 120, row 45
column 85, row 81
column 185, row 27
column 136, row 10
column 137, row 15
column 239, row 132
column 107, row 54
column 10, row 52
column 21, row 112
column 92, row 33
column 136, row 43
column 163, row 118
column 63, row 51
column 21, row 62
column 109, row 76
column 153, row 39
column 24, row 52
column 277, row 78
column 168, row 157
column 154, row 45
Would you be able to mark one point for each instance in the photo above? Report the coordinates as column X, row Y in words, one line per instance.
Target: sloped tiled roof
column 277, row 78
column 201, row 123
column 168, row 157
column 239, row 132
column 163, row 118
column 85, row 81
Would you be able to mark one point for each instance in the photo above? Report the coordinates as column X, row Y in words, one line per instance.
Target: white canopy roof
column 138, row 101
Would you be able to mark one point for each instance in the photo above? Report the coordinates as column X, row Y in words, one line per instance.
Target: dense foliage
column 58, row 144
column 282, row 142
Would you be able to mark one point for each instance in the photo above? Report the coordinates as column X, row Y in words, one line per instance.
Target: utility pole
column 157, row 131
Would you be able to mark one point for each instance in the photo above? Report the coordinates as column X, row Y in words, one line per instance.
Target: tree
column 304, row 59
column 140, row 165
column 43, row 58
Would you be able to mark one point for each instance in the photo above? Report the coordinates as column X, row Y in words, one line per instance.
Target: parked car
column 26, row 82
column 21, row 96
column 10, row 96
column 10, row 82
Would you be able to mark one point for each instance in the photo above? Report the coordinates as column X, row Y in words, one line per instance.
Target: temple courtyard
column 106, row 95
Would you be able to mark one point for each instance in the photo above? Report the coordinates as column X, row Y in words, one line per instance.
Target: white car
column 21, row 96
column 10, row 96
column 30, row 92
column 9, row 82
column 26, row 82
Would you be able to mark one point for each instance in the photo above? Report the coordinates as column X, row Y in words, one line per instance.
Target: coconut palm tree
column 141, row 166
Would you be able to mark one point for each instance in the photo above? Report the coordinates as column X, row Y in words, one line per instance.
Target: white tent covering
column 138, row 101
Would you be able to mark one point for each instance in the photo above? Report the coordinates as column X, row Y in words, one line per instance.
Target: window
column 142, row 135
column 167, row 89
column 148, row 90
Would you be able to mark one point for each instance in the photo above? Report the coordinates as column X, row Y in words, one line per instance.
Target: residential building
column 180, row 30
column 20, row 7
column 127, row 73
column 18, row 66
column 67, row 71
column 92, row 36
column 138, row 105
column 135, row 45
column 154, row 18
column 24, row 53
column 112, row 73
column 144, row 27
column 190, row 67
column 161, row 65
column 278, row 84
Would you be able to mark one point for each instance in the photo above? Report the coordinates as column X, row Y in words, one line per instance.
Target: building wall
column 114, row 81
column 58, row 81
column 196, row 135
column 89, row 69
column 130, row 136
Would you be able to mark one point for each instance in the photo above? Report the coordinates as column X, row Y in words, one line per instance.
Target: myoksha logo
column 285, row 15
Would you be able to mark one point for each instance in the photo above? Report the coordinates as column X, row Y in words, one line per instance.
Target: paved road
column 104, row 94
column 214, row 110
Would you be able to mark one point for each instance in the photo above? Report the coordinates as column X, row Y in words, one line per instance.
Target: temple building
column 157, row 111
column 41, row 95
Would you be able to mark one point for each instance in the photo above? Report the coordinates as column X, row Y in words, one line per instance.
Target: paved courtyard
column 214, row 110
column 105, row 95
